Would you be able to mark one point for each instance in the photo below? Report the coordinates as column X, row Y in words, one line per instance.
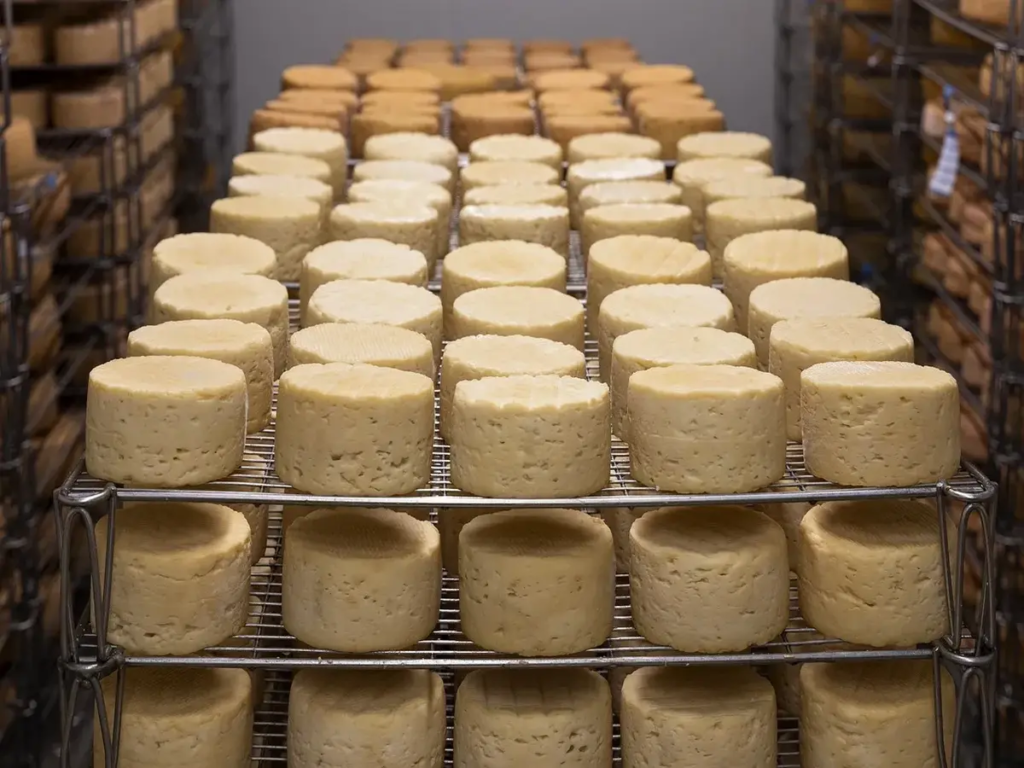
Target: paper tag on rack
column 944, row 178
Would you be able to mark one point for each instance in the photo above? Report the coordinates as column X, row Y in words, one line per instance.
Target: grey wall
column 730, row 43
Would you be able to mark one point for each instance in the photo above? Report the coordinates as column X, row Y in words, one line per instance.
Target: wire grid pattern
column 270, row 728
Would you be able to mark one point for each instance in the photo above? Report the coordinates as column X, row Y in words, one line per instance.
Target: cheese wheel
column 355, row 343
column 693, row 176
column 569, row 79
column 517, row 194
column 283, row 186
column 318, row 76
column 180, row 579
column 515, row 148
column 906, row 421
column 715, row 717
column 474, row 121
column 769, row 186
column 324, row 96
column 803, row 298
column 383, row 119
column 752, row 146
column 627, row 260
column 519, row 311
column 871, row 573
column 626, row 192
column 165, row 421
column 874, row 713
column 423, row 147
column 358, row 580
column 409, row 192
column 479, row 357
column 403, row 79
column 507, row 718
column 212, row 293
column 204, row 250
column 589, row 96
column 658, row 306
column 581, row 175
column 400, row 221
column 728, row 219
column 663, row 92
column 489, row 173
column 660, row 220
column 670, row 122
column 546, row 225
column 390, row 718
column 763, row 257
column 530, row 437
column 601, row 146
column 661, row 347
column 361, row 259
column 708, row 579
column 246, row 346
column 706, row 428
column 378, row 302
column 655, row 74
column 796, row 345
column 277, row 164
column 319, row 144
column 564, row 128
column 407, row 170
column 289, row 225
column 536, row 582
column 172, row 716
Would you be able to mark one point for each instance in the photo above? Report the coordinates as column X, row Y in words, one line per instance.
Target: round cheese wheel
column 876, row 713
column 289, row 225
column 204, row 250
column 278, row 164
column 318, row 76
column 383, row 119
column 856, row 560
column 763, row 257
column 409, row 192
column 283, row 186
column 660, row 347
column 378, row 302
column 693, row 176
column 669, row 122
column 367, row 715
column 752, row 146
column 406, row 170
column 530, row 437
column 362, row 259
column 581, row 175
column 214, row 294
column 623, row 192
column 517, row 194
column 728, row 219
column 803, row 298
column 436, row 150
column 658, row 306
column 536, row 582
column 403, row 79
column 546, row 225
column 600, row 146
column 769, row 186
column 655, row 74
column 489, row 173
column 907, row 417
column 359, row 580
column 165, row 421
column 661, row 220
column 663, row 92
column 246, row 346
column 356, row 430
column 319, row 144
column 506, row 718
column 706, row 428
column 515, row 148
column 410, row 98
column 796, row 345
column 383, row 345
column 180, row 579
column 479, row 357
column 519, row 311
column 172, row 716
column 714, row 716
column 569, row 79
column 708, row 579
column 400, row 221
column 576, row 96
column 565, row 127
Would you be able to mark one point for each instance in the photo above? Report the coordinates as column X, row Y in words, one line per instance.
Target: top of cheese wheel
column 358, row 533
column 208, row 250
column 266, row 207
column 213, row 292
column 814, row 297
column 502, row 261
column 299, row 141
column 180, row 693
column 319, row 76
column 768, row 186
column 711, row 691
column 490, row 172
column 596, row 146
column 404, row 190
column 873, row 685
column 666, row 305
column 367, row 259
column 212, row 336
column 616, row 169
column 373, row 301
column 664, row 92
column 403, row 79
column 357, row 383
column 713, row 168
column 537, row 692
column 575, row 96
column 535, row 149
column 280, row 164
column 410, row 170
column 412, row 98
column 383, row 345
column 517, row 194
column 365, row 693
column 531, row 393
column 724, row 144
column 567, row 79
column 519, row 305
column 411, row 146
column 638, row 212
column 654, row 74
column 536, row 532
column 765, row 212
column 323, row 96
column 710, row 530
column 701, row 346
column 163, row 531
column 623, row 192
column 180, row 375
column 701, row 380
column 885, row 375
column 284, row 186
column 513, row 355
column 784, row 252
column 851, row 337
column 661, row 259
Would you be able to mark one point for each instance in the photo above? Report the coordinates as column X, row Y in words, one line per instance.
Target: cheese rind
column 356, row 430
column 751, row 146
column 660, row 347
column 536, row 582
column 714, row 717
column 653, row 219
column 708, row 579
column 626, row 192
column 530, row 437
column 400, row 221
column 693, row 176
column 289, row 225
column 479, row 357
column 277, row 164
column 804, row 298
column 517, row 194
column 533, row 149
column 206, row 250
column 546, row 225
column 583, row 174
column 492, row 172
column 391, row 718
column 796, row 345
column 165, row 422
column 507, row 718
column 246, row 346
column 407, row 170
column 282, row 186
column 317, row 143
column 423, row 147
column 180, row 579
column 880, row 423
column 726, row 220
column 418, row 192
column 770, row 186
column 601, row 146
column 706, row 428
column 519, row 310
column 358, row 580
column 357, row 343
